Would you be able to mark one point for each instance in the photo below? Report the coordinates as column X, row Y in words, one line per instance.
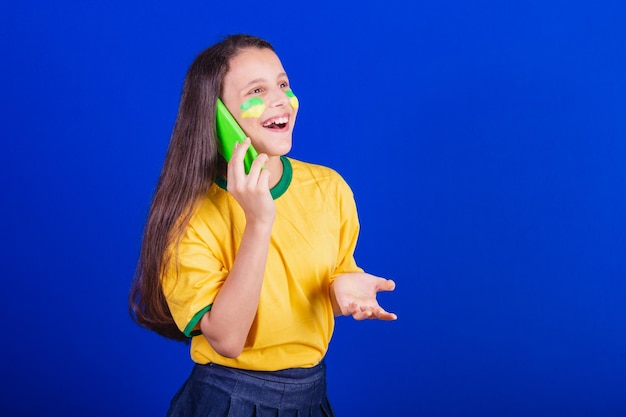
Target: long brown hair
column 191, row 165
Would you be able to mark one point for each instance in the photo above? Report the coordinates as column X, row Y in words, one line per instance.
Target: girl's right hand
column 252, row 191
column 227, row 324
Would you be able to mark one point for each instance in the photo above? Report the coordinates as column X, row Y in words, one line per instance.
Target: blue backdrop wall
column 484, row 142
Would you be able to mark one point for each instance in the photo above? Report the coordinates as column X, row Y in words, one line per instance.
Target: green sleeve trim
column 189, row 332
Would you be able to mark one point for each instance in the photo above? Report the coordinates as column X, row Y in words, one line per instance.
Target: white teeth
column 278, row 121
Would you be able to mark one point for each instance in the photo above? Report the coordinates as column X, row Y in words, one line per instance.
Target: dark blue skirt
column 218, row 391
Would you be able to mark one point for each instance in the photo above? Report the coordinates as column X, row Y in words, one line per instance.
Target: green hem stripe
column 194, row 321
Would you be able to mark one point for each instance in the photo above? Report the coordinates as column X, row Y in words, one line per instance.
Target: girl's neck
column 275, row 166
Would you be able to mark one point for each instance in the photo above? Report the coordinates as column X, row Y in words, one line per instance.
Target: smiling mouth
column 276, row 123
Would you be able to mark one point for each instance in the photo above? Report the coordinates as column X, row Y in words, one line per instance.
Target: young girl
column 252, row 268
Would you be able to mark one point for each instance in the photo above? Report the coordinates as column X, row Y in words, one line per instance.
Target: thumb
column 386, row 285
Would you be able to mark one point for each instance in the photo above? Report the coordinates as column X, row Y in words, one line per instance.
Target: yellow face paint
column 293, row 100
column 252, row 108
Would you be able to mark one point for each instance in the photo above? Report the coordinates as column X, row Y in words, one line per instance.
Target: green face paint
column 252, row 108
column 293, row 100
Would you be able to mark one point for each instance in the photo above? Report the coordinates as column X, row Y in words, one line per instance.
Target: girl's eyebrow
column 251, row 83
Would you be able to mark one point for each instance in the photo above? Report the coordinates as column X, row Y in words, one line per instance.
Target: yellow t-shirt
column 313, row 240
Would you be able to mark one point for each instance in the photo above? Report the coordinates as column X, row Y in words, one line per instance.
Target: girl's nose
column 278, row 98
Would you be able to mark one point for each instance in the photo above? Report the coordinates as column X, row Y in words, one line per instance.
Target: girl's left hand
column 354, row 294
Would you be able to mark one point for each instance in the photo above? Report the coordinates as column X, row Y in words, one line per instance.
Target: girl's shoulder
column 317, row 171
column 311, row 176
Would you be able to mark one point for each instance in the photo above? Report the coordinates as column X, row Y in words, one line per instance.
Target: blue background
column 484, row 142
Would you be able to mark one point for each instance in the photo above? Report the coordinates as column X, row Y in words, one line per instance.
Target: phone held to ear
column 229, row 132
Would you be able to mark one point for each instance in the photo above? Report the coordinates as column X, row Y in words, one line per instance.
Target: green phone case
column 229, row 132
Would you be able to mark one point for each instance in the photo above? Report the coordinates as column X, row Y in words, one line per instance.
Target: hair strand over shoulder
column 191, row 165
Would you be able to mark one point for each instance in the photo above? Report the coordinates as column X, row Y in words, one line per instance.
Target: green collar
column 279, row 189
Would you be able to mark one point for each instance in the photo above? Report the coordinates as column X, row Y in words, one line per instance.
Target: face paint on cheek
column 293, row 100
column 252, row 108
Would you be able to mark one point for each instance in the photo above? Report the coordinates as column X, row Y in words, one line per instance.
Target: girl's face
column 256, row 91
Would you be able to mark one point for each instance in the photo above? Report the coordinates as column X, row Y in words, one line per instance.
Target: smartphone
column 229, row 132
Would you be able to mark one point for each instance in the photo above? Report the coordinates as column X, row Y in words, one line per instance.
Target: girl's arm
column 227, row 324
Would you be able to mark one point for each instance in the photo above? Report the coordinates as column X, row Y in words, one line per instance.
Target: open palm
column 355, row 295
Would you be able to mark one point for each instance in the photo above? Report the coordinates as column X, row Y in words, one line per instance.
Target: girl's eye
column 256, row 91
column 284, row 85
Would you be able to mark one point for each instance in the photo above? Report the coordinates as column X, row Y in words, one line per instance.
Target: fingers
column 368, row 312
column 358, row 313
column 236, row 172
column 378, row 313
column 256, row 169
column 235, row 165
column 386, row 316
